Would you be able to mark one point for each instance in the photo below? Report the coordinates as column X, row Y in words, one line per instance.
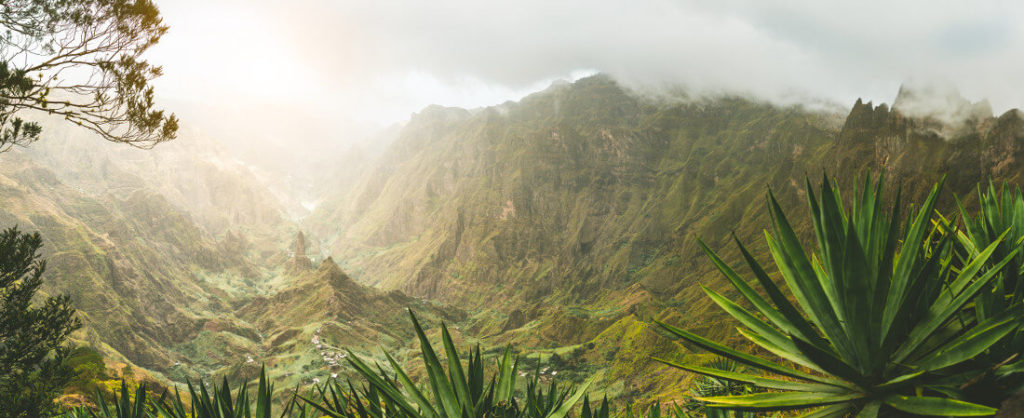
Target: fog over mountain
column 377, row 62
column 292, row 79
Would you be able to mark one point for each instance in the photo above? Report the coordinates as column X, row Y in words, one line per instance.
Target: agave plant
column 601, row 412
column 220, row 404
column 873, row 325
column 999, row 210
column 456, row 393
column 653, row 411
column 708, row 386
column 203, row 403
column 553, row 402
column 123, row 406
column 335, row 399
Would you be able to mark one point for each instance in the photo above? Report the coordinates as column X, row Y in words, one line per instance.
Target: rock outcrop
column 299, row 262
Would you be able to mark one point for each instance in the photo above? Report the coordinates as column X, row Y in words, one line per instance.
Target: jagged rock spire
column 300, row 245
column 299, row 261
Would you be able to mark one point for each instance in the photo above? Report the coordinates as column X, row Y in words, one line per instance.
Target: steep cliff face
column 157, row 248
column 570, row 194
column 172, row 273
column 136, row 268
column 586, row 188
column 962, row 141
column 569, row 219
column 193, row 173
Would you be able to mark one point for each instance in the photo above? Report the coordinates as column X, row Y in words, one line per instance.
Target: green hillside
column 567, row 221
column 180, row 264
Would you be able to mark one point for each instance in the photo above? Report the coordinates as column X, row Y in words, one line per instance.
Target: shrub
column 33, row 336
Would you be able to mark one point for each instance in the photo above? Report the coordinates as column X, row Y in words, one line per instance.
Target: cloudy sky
column 338, row 64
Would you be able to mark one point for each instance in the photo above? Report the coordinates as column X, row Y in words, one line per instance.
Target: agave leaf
column 506, row 376
column 979, row 339
column 426, row 409
column 455, row 372
column 803, row 329
column 603, row 412
column 832, row 365
column 749, row 293
column 899, row 380
column 925, row 285
column 928, row 405
column 970, row 229
column 836, row 410
column 885, row 270
column 139, row 410
column 176, row 407
column 940, row 312
column 857, row 288
column 799, row 274
column 321, row 408
column 794, row 356
column 968, row 272
column 746, row 358
column 780, row 400
column 776, row 342
column 756, row 380
column 567, row 404
column 263, row 394
column 870, row 410
column 375, row 381
column 746, row 318
column 912, row 245
column 443, row 390
column 830, row 224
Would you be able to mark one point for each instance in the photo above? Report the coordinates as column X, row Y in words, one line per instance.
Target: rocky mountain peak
column 941, row 102
column 442, row 114
column 330, row 266
column 300, row 261
column 300, row 245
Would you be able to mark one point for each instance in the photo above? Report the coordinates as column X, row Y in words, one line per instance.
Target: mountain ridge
column 575, row 210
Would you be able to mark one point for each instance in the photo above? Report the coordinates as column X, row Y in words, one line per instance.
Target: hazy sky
column 345, row 62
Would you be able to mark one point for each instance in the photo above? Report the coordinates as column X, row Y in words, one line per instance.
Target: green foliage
column 456, row 392
column 876, row 319
column 336, row 399
column 124, row 406
column 999, row 211
column 707, row 386
column 107, row 88
column 654, row 410
column 89, row 369
column 89, row 358
column 203, row 403
column 32, row 335
column 220, row 404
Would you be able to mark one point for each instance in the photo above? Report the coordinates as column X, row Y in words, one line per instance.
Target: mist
column 343, row 68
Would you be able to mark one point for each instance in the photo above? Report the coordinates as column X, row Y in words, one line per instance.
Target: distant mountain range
column 562, row 223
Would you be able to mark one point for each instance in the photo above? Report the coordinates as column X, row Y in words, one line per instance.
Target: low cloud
column 379, row 61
